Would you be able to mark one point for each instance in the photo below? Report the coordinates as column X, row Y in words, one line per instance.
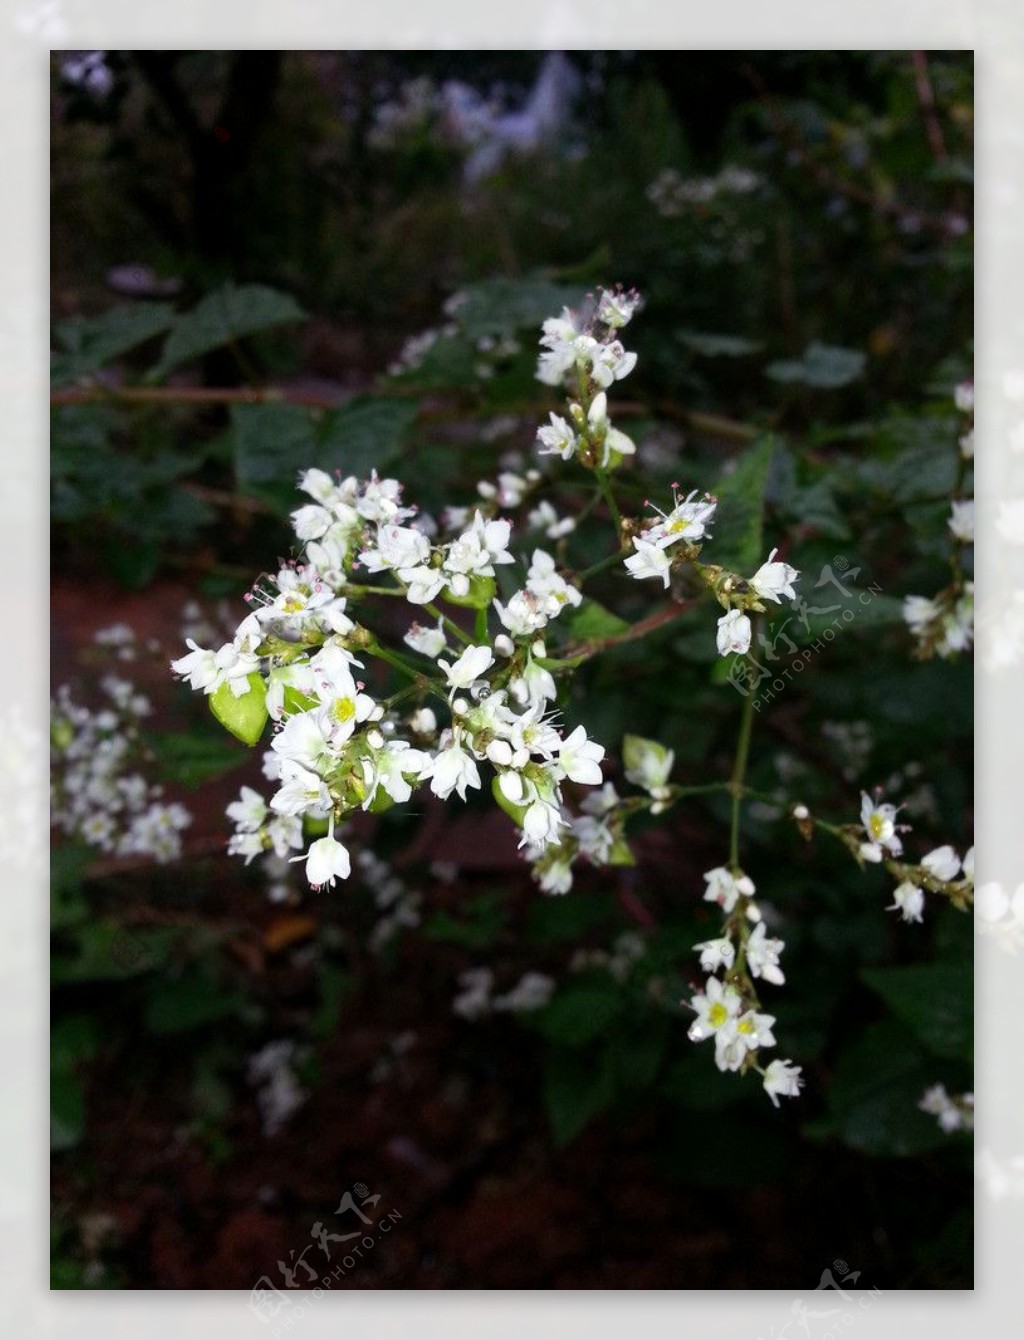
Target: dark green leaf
column 366, row 434
column 713, row 346
column 192, row 759
column 223, row 317
column 190, row 1002
column 576, row 1088
column 822, row 365
column 934, row 1000
column 497, row 306
column 591, row 620
column 580, row 1012
column 737, row 540
column 92, row 342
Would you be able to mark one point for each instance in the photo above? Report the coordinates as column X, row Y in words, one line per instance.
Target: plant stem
column 481, row 625
column 606, row 492
column 392, row 658
column 450, row 624
column 739, row 771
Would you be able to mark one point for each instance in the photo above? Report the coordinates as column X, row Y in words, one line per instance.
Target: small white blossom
column 908, row 900
column 782, row 1079
column 943, row 863
column 733, row 633
column 774, row 580
column 961, row 521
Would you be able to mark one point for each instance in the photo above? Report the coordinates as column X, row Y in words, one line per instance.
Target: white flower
column 601, row 430
column 919, row 613
column 475, row 998
column 547, row 584
column 389, row 766
column 306, row 739
column 717, row 1008
column 715, row 954
column 648, row 764
column 689, row 519
column 477, row 549
column 773, row 580
column 609, row 363
column 725, row 889
column 763, row 956
column 557, row 439
column 423, row 584
column 199, row 667
column 427, row 641
column 908, row 900
column 880, row 825
column 397, row 547
column 248, row 812
column 579, row 759
column 544, row 517
column 469, row 667
column 963, row 397
column 648, row 561
column 617, row 309
column 453, row 770
column 961, row 521
column 782, row 1079
column 733, row 633
column 326, row 861
column 531, row 992
column 542, row 822
column 943, row 863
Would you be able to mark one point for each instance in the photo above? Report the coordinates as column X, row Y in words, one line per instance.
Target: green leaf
column 934, row 1000
column 714, row 346
column 822, row 365
column 576, row 1089
column 222, row 317
column 193, row 759
column 68, row 863
column 483, row 921
column 190, row 1002
column 92, row 342
column 737, row 542
column 497, row 306
column 67, row 1110
column 272, row 443
column 364, row 435
column 105, row 952
column 244, row 717
column 591, row 620
column 873, row 1098
column 579, row 1013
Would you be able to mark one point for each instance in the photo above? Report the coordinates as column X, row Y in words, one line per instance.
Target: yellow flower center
column 343, row 709
column 717, row 1015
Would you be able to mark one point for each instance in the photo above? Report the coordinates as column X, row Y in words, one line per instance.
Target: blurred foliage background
column 254, row 260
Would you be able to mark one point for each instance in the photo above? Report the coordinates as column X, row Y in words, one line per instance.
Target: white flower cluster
column 672, row 194
column 583, row 350
column 728, row 1009
column 943, row 625
column 594, row 834
column 939, row 871
column 476, row 999
column 952, row 1114
column 336, row 748
column 97, row 793
column 629, row 947
column 278, row 1093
